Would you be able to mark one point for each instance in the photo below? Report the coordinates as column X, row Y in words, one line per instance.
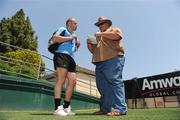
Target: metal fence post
column 39, row 67
column 90, row 86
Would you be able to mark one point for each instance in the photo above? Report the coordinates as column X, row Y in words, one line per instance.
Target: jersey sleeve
column 60, row 30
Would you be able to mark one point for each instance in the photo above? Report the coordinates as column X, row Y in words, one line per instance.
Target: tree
column 5, row 34
column 17, row 31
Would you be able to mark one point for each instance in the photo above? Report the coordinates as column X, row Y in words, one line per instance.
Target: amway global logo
column 161, row 83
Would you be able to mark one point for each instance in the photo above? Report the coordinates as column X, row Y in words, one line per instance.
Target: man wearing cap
column 108, row 56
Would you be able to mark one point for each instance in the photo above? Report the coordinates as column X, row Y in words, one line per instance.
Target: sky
column 151, row 29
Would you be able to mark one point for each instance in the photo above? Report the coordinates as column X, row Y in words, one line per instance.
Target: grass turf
column 133, row 114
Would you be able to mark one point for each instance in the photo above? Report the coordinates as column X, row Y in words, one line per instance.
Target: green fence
column 17, row 93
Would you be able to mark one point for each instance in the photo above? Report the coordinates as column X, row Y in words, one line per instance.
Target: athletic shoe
column 68, row 111
column 60, row 111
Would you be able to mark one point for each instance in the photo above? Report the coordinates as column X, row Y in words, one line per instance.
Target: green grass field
column 133, row 114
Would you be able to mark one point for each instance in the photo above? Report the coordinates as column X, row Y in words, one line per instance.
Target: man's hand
column 78, row 43
column 73, row 36
column 90, row 45
column 89, row 41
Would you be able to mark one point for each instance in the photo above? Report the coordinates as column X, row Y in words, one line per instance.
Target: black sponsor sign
column 153, row 86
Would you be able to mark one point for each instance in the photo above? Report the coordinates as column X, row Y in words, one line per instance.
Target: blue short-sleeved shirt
column 68, row 47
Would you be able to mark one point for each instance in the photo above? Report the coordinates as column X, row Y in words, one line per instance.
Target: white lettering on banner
column 146, row 85
column 167, row 82
column 176, row 80
column 176, row 92
column 165, row 93
column 161, row 83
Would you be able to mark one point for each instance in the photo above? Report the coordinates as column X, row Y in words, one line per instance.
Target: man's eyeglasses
column 101, row 24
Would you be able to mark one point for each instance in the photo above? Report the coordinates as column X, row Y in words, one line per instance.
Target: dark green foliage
column 17, row 31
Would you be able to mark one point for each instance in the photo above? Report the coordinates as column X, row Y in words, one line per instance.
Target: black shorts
column 64, row 61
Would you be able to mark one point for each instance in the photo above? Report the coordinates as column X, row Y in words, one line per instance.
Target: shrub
column 25, row 62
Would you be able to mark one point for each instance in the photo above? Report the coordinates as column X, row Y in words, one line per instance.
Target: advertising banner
column 154, row 86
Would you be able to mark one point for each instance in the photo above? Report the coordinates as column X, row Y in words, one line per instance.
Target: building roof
column 79, row 70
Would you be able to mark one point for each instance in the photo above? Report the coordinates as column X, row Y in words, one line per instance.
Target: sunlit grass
column 133, row 114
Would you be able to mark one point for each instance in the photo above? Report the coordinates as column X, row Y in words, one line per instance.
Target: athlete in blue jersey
column 65, row 66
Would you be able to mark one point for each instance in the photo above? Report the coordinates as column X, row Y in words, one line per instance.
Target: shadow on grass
column 77, row 114
column 45, row 114
column 84, row 114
